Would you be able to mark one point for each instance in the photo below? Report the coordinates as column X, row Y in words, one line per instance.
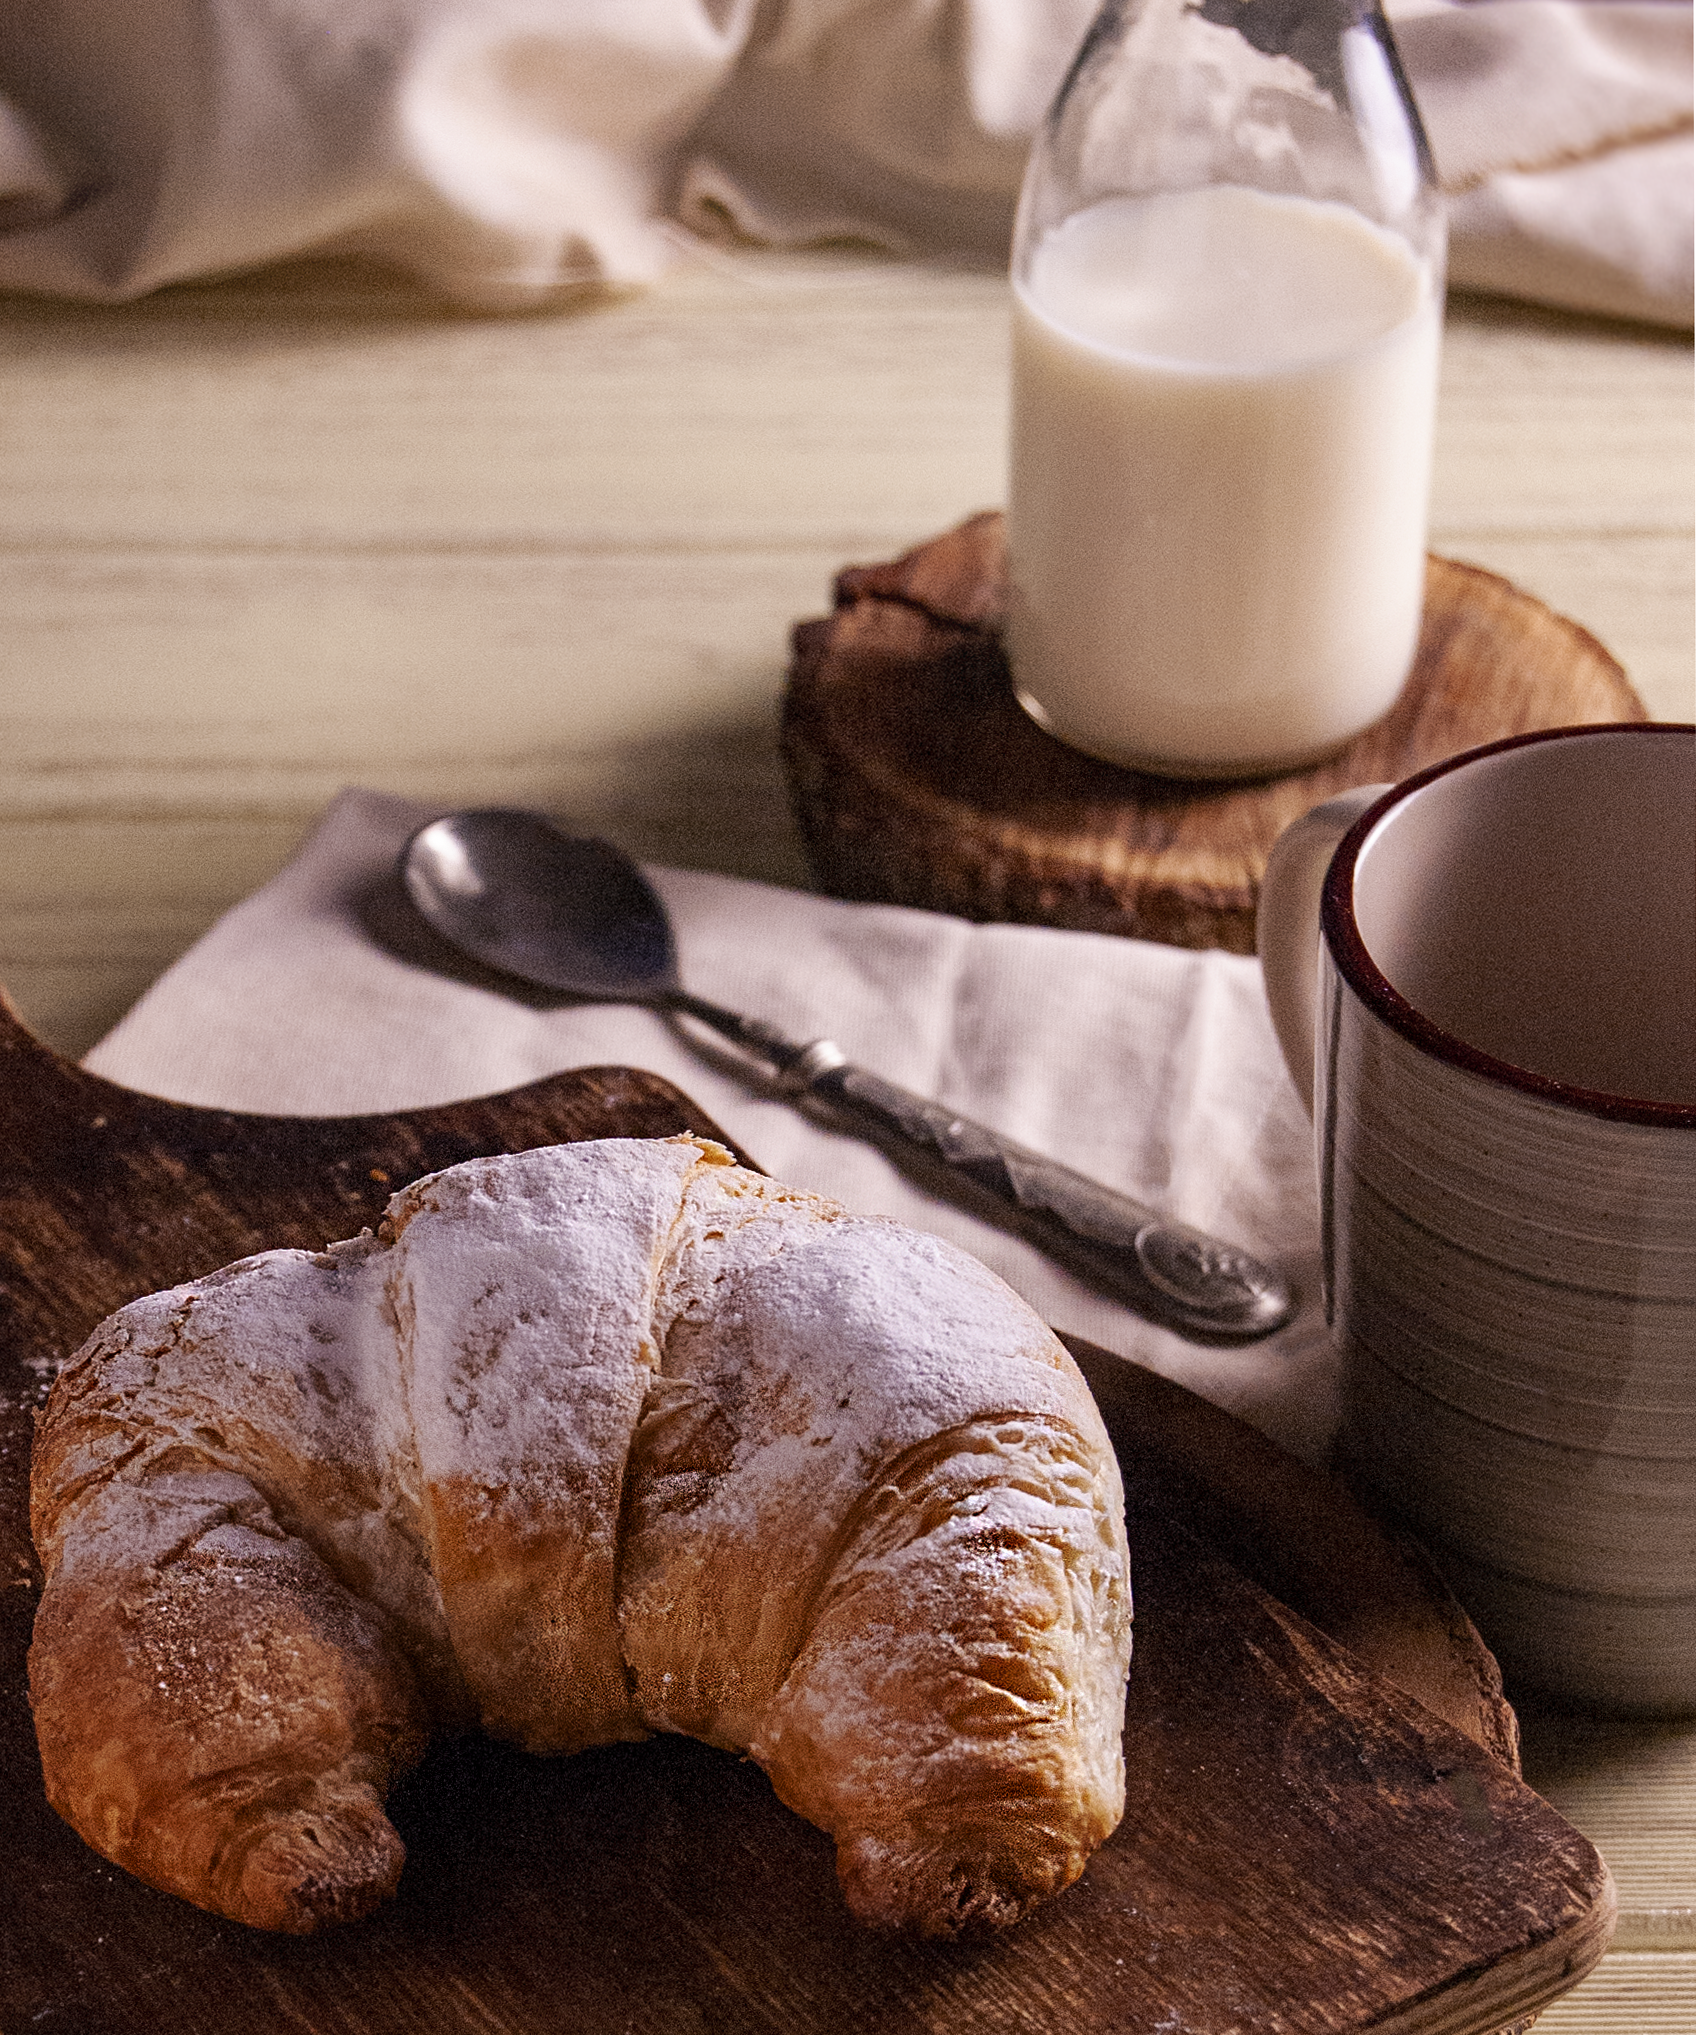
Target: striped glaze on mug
column 1504, row 1070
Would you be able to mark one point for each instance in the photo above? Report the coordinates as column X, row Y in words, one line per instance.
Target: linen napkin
column 506, row 151
column 1151, row 1068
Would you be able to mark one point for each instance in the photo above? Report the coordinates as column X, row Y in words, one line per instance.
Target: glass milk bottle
column 1227, row 287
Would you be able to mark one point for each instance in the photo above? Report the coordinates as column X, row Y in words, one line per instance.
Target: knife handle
column 1175, row 1275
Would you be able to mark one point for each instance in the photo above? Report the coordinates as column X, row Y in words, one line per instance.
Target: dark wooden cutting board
column 1308, row 1844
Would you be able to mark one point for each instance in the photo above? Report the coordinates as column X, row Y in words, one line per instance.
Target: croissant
column 584, row 1443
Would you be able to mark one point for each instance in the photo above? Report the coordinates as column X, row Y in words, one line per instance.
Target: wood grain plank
column 1557, row 424
column 197, row 683
column 1631, row 1993
column 819, row 403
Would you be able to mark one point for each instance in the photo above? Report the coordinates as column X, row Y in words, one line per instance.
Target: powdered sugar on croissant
column 587, row 1442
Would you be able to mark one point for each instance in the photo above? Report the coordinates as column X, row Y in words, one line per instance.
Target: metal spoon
column 511, row 889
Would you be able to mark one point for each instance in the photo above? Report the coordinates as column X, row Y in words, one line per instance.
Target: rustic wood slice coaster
column 1305, row 1845
column 917, row 779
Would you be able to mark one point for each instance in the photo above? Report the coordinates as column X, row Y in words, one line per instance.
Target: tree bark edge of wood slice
column 917, row 779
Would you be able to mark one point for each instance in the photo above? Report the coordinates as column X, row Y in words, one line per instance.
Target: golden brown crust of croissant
column 586, row 1443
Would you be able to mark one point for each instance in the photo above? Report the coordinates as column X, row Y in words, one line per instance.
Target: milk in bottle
column 1227, row 282
column 1222, row 415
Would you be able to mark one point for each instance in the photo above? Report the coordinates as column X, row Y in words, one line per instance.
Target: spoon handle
column 1175, row 1275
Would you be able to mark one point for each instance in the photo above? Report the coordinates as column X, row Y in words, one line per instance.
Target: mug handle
column 1287, row 922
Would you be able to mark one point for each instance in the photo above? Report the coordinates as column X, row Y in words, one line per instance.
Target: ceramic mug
column 1498, row 1044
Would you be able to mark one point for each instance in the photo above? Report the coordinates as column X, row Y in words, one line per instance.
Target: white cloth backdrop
column 507, row 150
column 1148, row 1067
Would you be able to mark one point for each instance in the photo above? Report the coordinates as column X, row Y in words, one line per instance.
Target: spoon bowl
column 574, row 914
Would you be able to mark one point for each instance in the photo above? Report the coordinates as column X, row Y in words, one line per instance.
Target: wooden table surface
column 265, row 538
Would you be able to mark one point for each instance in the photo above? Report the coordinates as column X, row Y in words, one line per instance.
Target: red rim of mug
column 1364, row 977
